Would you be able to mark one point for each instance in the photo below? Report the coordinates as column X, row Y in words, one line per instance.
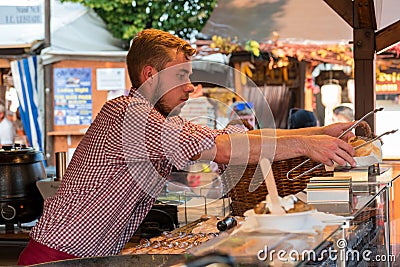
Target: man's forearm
column 287, row 132
column 250, row 148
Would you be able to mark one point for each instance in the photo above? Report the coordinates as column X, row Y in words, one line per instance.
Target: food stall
column 338, row 234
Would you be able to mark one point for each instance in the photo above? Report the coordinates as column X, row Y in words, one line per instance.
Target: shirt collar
column 132, row 91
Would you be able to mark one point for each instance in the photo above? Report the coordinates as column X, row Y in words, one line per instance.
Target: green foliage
column 125, row 18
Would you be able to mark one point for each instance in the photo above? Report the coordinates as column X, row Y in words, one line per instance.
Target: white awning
column 51, row 55
column 73, row 26
column 294, row 20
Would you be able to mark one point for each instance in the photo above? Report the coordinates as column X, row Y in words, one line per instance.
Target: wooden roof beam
column 364, row 15
column 387, row 37
column 344, row 8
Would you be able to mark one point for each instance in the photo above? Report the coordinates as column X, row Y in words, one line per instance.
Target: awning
column 28, row 76
column 73, row 26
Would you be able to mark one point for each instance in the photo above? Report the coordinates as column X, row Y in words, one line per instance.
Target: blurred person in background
column 343, row 113
column 301, row 118
column 7, row 130
column 242, row 114
column 20, row 137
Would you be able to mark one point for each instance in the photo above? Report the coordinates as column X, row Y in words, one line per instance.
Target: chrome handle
column 359, row 121
column 376, row 138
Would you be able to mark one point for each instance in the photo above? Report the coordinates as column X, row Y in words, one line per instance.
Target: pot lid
column 19, row 155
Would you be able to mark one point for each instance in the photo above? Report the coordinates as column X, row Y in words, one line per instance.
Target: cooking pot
column 20, row 200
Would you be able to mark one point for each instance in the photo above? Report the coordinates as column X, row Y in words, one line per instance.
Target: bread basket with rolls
column 366, row 146
column 367, row 149
column 369, row 155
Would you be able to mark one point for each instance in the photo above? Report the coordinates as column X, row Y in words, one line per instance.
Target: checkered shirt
column 115, row 175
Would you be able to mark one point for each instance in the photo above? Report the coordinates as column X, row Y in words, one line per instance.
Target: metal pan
column 119, row 261
column 144, row 260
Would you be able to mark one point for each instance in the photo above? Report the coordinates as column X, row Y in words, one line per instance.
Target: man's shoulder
column 124, row 100
column 118, row 102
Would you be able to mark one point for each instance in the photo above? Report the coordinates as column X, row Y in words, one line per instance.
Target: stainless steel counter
column 363, row 236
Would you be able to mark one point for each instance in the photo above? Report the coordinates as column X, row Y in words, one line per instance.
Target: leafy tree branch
column 125, row 18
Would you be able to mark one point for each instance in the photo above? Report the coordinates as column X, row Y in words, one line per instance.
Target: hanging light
column 331, row 96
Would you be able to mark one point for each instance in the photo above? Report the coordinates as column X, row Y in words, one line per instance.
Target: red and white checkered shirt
column 115, row 175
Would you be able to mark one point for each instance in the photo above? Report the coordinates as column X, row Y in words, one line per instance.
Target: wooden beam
column 364, row 44
column 364, row 59
column 48, row 88
column 49, row 113
column 238, row 83
column 364, row 14
column 365, row 96
column 364, row 75
column 344, row 8
column 387, row 36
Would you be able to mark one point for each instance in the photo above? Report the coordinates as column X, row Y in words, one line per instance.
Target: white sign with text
column 110, row 78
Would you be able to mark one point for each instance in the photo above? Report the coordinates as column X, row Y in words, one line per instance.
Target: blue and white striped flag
column 28, row 81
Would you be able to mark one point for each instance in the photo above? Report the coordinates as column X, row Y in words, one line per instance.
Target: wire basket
column 239, row 178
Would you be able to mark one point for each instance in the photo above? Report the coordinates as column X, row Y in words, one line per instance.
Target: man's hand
column 337, row 129
column 327, row 150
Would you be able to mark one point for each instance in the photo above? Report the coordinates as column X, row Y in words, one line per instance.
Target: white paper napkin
column 363, row 161
column 315, row 222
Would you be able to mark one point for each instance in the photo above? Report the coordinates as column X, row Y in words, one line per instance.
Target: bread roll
column 365, row 150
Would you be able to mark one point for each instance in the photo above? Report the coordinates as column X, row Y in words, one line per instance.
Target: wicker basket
column 239, row 179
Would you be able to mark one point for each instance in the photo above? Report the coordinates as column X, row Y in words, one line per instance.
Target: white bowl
column 287, row 222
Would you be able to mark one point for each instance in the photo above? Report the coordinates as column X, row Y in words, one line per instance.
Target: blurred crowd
column 11, row 127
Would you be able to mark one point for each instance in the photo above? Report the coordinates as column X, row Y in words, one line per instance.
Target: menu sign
column 21, row 14
column 388, row 82
column 110, row 78
column 72, row 96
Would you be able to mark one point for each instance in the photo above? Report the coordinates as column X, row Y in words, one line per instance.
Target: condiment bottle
column 227, row 223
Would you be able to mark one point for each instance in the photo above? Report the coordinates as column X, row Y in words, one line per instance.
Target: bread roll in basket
column 373, row 148
column 367, row 149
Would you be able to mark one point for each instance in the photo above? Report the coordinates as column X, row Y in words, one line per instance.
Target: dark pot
column 20, row 200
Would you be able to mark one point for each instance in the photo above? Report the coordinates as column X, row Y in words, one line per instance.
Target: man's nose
column 189, row 87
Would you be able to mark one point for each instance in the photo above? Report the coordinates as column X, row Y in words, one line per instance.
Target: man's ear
column 148, row 72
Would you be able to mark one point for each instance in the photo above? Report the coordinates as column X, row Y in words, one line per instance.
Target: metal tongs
column 340, row 136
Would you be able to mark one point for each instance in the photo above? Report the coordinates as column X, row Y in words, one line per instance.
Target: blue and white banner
column 28, row 81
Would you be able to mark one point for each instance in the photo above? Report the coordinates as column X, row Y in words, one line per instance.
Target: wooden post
column 47, row 72
column 364, row 59
column 238, row 82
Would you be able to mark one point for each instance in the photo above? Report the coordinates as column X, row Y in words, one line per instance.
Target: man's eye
column 183, row 75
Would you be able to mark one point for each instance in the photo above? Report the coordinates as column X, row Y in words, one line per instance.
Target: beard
column 162, row 106
column 165, row 110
